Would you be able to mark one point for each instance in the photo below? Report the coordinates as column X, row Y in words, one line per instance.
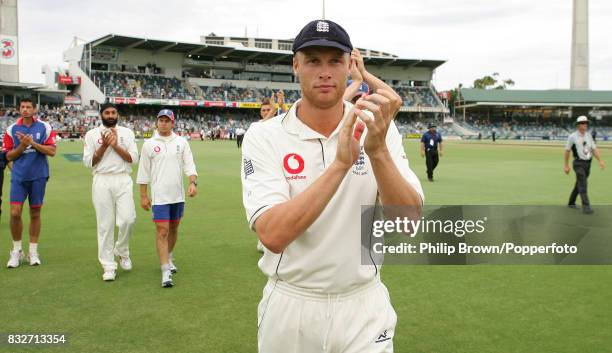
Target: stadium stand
column 514, row 130
column 418, row 97
column 238, row 94
column 121, row 84
column 74, row 119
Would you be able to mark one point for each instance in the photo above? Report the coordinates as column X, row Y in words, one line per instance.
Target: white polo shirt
column 163, row 160
column 581, row 145
column 281, row 157
column 111, row 162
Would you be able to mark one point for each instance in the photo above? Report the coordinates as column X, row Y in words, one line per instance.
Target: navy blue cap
column 431, row 125
column 322, row 33
column 166, row 112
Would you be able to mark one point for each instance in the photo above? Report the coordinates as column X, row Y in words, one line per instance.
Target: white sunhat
column 582, row 119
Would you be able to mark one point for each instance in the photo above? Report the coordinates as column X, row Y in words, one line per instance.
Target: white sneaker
column 34, row 259
column 109, row 275
column 173, row 268
column 15, row 259
column 124, row 262
column 167, row 279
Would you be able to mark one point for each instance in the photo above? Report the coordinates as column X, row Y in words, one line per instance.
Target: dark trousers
column 431, row 159
column 239, row 140
column 582, row 170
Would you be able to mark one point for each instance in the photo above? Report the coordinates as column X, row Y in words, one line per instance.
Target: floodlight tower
column 580, row 45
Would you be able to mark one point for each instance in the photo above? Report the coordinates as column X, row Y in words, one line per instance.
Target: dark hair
column 266, row 101
column 105, row 106
column 26, row 100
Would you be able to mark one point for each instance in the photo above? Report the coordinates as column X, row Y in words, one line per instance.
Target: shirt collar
column 157, row 136
column 20, row 120
column 293, row 125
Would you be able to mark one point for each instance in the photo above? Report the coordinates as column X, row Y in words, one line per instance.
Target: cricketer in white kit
column 164, row 159
column 110, row 150
column 305, row 176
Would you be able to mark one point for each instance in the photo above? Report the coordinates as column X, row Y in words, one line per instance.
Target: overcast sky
column 526, row 40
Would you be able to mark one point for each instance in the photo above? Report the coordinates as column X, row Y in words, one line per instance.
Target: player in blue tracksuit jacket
column 27, row 143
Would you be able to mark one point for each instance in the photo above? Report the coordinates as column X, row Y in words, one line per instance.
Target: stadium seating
column 417, row 96
column 519, row 130
column 124, row 84
column 236, row 94
column 526, row 130
column 120, row 84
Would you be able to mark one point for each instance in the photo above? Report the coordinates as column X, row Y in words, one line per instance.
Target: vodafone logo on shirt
column 294, row 164
column 156, row 149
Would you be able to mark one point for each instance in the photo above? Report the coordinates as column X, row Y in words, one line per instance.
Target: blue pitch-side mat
column 73, row 157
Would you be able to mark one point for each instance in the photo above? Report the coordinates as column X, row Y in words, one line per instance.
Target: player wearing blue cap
column 305, row 176
column 163, row 160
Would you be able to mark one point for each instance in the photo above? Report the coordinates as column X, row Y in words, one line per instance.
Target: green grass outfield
column 213, row 306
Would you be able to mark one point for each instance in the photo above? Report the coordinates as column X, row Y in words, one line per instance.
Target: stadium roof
column 496, row 97
column 21, row 85
column 239, row 53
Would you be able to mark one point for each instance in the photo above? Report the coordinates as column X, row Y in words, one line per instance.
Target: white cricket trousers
column 113, row 200
column 291, row 319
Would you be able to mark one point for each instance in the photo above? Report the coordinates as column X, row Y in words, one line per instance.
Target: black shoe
column 573, row 206
column 430, row 179
column 587, row 210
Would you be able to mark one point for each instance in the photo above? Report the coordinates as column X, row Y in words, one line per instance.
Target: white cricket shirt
column 163, row 160
column 111, row 162
column 281, row 157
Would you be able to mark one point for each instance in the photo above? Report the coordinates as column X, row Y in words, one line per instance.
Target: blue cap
column 166, row 112
column 322, row 33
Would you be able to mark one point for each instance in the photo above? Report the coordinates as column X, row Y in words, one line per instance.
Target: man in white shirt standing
column 583, row 149
column 110, row 150
column 240, row 131
column 305, row 176
column 164, row 158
